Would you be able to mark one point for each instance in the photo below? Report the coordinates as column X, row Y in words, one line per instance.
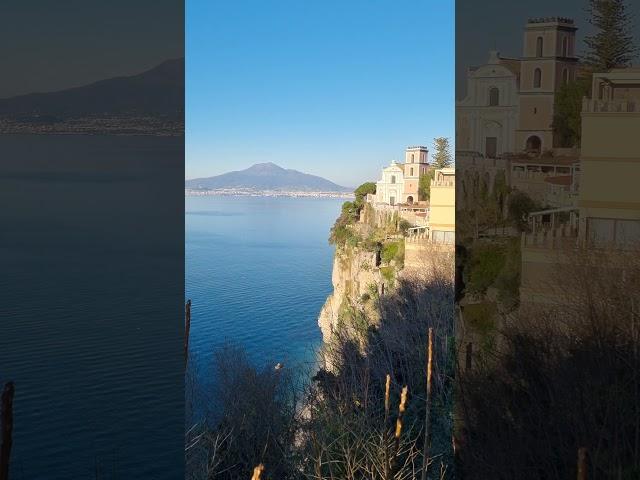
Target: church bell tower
column 548, row 62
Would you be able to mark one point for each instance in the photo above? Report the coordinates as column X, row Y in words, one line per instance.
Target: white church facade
column 400, row 182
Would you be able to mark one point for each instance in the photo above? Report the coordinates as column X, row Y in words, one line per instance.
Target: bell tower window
column 539, row 45
column 537, row 78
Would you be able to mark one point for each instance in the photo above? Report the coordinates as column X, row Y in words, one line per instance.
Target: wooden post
column 187, row 328
column 469, row 356
column 257, row 472
column 582, row 464
column 425, row 450
column 6, row 419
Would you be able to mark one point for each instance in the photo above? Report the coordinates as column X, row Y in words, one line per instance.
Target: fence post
column 427, row 415
column 6, row 418
column 582, row 464
column 187, row 328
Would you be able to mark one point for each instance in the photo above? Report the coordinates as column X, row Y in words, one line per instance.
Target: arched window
column 565, row 47
column 565, row 76
column 537, row 78
column 393, row 179
column 494, row 97
column 412, row 158
column 539, row 45
column 411, row 170
column 534, row 144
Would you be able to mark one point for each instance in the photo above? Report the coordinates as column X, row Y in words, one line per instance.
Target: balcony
column 610, row 106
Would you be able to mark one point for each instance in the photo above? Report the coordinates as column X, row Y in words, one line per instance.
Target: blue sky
column 335, row 88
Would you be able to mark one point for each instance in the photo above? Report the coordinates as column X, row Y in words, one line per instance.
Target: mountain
column 266, row 176
column 158, row 91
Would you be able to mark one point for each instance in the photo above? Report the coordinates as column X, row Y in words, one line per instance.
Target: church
column 400, row 181
column 509, row 103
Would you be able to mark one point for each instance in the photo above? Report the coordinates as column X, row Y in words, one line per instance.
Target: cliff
column 356, row 282
column 365, row 267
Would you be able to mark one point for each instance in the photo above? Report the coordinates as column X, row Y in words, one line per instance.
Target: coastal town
column 251, row 192
column 509, row 142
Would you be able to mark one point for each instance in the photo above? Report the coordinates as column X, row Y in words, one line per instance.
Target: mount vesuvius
column 266, row 176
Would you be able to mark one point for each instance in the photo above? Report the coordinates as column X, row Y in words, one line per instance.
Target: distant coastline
column 234, row 192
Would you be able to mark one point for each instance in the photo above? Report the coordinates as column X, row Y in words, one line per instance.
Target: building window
column 443, row 237
column 565, row 76
column 494, row 97
column 411, row 174
column 603, row 232
column 412, row 158
column 600, row 231
column 491, row 147
column 537, row 78
column 627, row 233
column 565, row 47
column 539, row 45
column 393, row 179
column 535, row 110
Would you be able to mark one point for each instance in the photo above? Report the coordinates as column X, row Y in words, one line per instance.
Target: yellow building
column 607, row 216
column 609, row 200
column 442, row 207
column 438, row 235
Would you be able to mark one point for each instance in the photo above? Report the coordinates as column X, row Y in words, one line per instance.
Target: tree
column 442, row 157
column 424, row 185
column 362, row 191
column 567, row 119
column 611, row 46
column 520, row 205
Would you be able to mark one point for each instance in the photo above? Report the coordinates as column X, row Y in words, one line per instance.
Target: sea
column 94, row 233
column 91, row 305
column 258, row 270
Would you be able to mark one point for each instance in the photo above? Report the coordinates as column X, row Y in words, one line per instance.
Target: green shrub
column 486, row 262
column 404, row 226
column 389, row 251
column 388, row 273
column 519, row 205
column 508, row 280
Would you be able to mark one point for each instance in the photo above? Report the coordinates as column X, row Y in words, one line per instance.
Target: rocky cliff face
column 357, row 281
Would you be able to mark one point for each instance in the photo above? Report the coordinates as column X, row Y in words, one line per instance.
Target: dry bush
column 347, row 433
column 250, row 420
column 566, row 376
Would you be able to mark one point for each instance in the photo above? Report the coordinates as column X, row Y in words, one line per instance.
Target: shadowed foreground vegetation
column 561, row 378
column 349, row 420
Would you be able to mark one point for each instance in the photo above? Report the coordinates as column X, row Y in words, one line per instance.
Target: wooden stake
column 257, row 472
column 427, row 415
column 582, row 464
column 6, row 419
column 187, row 328
column 469, row 356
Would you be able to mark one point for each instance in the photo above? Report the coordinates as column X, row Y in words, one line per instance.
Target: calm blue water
column 258, row 271
column 91, row 305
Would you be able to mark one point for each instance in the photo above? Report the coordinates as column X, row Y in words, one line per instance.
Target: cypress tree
column 442, row 157
column 611, row 46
